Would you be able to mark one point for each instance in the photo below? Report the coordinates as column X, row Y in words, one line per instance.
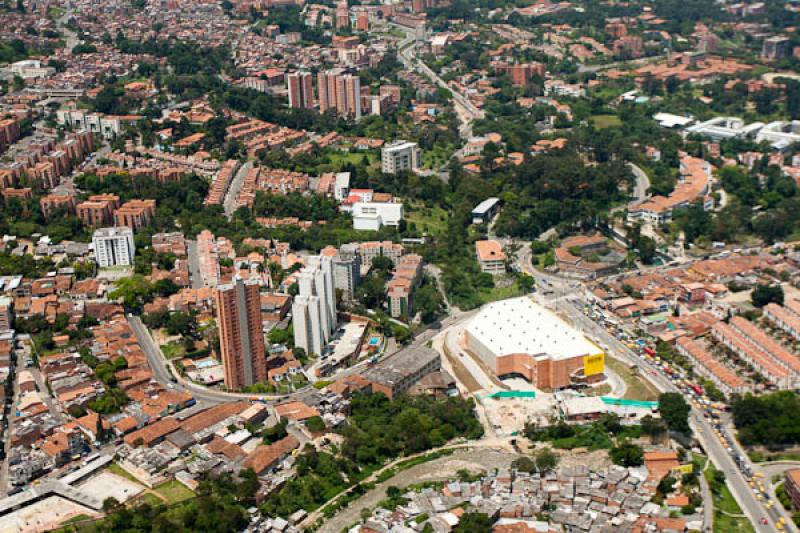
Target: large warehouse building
column 519, row 337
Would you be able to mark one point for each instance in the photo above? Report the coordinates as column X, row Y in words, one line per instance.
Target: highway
column 465, row 109
column 566, row 299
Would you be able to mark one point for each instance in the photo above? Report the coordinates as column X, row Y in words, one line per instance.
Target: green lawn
column 77, row 518
column 500, row 293
column 762, row 456
column 724, row 501
column 173, row 350
column 148, row 498
column 637, row 387
column 428, row 220
column 174, row 491
column 114, row 468
column 338, row 157
column 606, row 121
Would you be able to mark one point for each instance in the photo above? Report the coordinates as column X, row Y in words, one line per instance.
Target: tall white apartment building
column 347, row 270
column 400, row 155
column 113, row 246
column 314, row 308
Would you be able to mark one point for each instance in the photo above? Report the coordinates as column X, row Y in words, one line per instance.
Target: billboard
column 593, row 364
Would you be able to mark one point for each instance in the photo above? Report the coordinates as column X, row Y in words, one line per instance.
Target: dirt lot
column 42, row 516
column 474, row 460
column 108, row 485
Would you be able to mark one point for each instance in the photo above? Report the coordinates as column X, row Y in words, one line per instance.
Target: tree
column 545, row 460
column 474, row 523
column 382, row 264
column 653, row 427
column 133, row 291
column 110, row 505
column 428, row 302
column 315, row 424
column 766, row 294
column 180, row 323
column 627, row 454
column 371, row 292
column 526, row 282
column 165, row 287
column 674, row 411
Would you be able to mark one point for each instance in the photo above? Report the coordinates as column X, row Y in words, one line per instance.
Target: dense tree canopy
column 770, row 419
column 674, row 411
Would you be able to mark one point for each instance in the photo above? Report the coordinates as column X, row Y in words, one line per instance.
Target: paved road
column 229, row 203
column 702, row 429
column 9, row 424
column 642, row 183
column 465, row 109
column 164, row 371
column 195, row 275
column 708, row 515
column 70, row 37
column 47, row 398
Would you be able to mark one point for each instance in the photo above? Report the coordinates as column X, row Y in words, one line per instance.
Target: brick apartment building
column 135, row 214
column 98, row 210
column 240, row 333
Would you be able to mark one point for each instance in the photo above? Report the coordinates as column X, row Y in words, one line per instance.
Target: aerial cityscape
column 400, row 266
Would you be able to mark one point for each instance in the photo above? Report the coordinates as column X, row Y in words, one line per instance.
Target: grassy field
column 606, row 121
column 638, row 387
column 339, row 158
column 763, row 456
column 500, row 293
column 725, row 503
column 428, row 220
column 174, row 491
column 114, row 468
column 173, row 350
column 148, row 498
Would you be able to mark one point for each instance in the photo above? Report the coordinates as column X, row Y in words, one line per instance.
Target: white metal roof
column 520, row 326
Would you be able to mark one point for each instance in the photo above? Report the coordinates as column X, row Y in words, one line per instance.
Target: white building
column 722, row 128
column 347, row 271
column 314, row 308
column 99, row 123
column 341, row 186
column 668, row 120
column 400, row 155
column 485, row 211
column 113, row 246
column 31, row 68
column 780, row 135
column 373, row 215
column 520, row 337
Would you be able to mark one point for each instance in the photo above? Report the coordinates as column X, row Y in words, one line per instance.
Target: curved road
column 164, row 371
column 465, row 109
column 642, row 183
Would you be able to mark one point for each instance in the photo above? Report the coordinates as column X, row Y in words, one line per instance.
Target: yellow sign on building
column 594, row 364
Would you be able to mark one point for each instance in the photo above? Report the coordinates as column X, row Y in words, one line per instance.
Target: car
column 764, row 520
